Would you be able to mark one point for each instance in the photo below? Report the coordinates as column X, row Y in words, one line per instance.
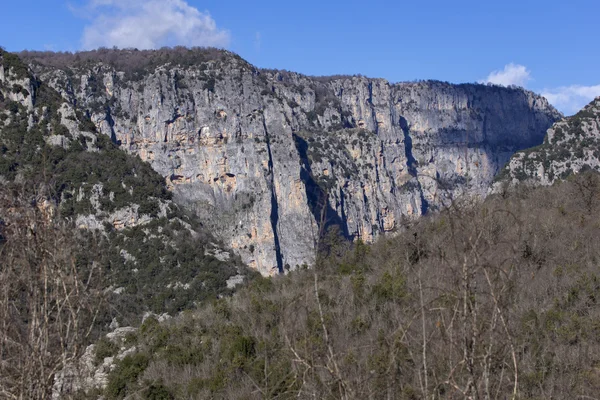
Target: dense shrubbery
column 171, row 269
column 135, row 63
column 12, row 62
column 129, row 179
column 498, row 300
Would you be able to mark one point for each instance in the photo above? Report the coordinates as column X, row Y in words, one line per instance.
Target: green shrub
column 13, row 64
column 158, row 392
column 105, row 348
column 210, row 85
column 390, row 288
column 123, row 379
column 149, row 207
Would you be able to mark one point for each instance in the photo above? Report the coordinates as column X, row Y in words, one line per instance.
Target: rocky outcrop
column 155, row 255
column 270, row 159
column 571, row 146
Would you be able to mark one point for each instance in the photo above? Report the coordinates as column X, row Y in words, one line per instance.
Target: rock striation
column 270, row 159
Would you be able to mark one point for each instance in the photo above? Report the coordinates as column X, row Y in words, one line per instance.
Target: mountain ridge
column 259, row 154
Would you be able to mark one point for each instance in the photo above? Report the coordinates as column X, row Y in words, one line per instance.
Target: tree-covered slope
column 495, row 300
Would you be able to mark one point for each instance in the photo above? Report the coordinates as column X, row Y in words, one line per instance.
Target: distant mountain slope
column 154, row 256
column 266, row 158
column 571, row 145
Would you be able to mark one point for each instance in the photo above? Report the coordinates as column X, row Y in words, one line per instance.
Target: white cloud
column 568, row 99
column 571, row 99
column 512, row 74
column 150, row 24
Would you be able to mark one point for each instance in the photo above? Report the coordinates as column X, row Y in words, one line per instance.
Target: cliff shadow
column 111, row 124
column 318, row 199
column 411, row 162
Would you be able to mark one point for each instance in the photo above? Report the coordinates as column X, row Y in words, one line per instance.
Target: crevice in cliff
column 411, row 163
column 111, row 124
column 343, row 210
column 370, row 99
column 373, row 111
column 318, row 199
column 274, row 217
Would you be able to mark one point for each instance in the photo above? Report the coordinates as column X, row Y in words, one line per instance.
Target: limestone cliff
column 150, row 254
column 266, row 158
column 571, row 145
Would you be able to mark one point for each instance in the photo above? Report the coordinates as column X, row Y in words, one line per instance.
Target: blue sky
column 548, row 46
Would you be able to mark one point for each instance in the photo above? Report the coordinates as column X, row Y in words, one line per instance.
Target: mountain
column 270, row 160
column 153, row 256
column 571, row 146
column 137, row 183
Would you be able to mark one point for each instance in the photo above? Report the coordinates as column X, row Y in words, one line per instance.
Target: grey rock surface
column 267, row 159
column 88, row 373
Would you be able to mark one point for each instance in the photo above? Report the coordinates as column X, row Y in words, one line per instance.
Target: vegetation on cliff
column 135, row 63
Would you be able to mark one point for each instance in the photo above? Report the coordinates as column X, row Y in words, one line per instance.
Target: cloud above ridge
column 150, row 24
column 571, row 99
column 568, row 99
column 512, row 74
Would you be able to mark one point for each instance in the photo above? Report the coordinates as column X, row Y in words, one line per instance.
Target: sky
column 550, row 46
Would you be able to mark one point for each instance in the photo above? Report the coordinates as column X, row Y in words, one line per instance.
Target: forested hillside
column 497, row 300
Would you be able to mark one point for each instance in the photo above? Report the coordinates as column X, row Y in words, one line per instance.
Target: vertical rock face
column 269, row 159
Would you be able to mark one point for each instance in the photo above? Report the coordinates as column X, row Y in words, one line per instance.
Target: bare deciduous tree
column 48, row 302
